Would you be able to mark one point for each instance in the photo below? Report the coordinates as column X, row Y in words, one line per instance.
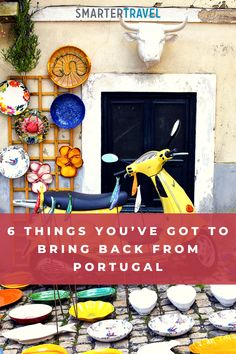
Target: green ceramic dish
column 49, row 296
column 95, row 294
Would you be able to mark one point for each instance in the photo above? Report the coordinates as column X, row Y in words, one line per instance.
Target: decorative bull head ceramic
column 151, row 38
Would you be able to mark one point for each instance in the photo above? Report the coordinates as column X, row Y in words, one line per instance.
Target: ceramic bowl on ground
column 9, row 296
column 49, row 295
column 162, row 348
column 171, row 325
column 91, row 310
column 14, row 286
column 143, row 300
column 67, row 111
column 96, row 294
column 45, row 348
column 36, row 333
column 216, row 345
column 110, row 330
column 224, row 320
column 14, row 97
column 29, row 314
column 104, row 351
column 225, row 294
column 181, row 296
column 14, row 161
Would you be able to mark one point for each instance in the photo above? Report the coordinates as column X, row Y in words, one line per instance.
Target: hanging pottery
column 31, row 127
column 14, row 162
column 67, row 111
column 14, row 97
column 70, row 160
column 69, row 67
column 40, row 176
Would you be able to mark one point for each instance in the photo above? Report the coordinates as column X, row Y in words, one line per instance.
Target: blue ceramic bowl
column 67, row 111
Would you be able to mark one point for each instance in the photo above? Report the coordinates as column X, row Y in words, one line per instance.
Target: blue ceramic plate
column 67, row 111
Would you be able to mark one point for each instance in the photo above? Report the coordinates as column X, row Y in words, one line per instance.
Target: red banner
column 118, row 249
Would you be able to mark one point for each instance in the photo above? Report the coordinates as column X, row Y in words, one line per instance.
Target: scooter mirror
column 175, row 128
column 109, row 158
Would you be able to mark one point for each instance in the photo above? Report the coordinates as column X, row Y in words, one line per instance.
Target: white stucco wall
column 200, row 48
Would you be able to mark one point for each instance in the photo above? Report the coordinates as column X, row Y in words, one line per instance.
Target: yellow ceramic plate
column 69, row 67
column 104, row 351
column 45, row 348
column 217, row 345
column 91, row 310
column 14, row 286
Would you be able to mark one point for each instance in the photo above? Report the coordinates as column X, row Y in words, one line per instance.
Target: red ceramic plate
column 9, row 296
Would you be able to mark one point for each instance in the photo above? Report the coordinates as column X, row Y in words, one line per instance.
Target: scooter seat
column 81, row 201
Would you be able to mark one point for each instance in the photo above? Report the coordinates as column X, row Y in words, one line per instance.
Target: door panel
column 133, row 123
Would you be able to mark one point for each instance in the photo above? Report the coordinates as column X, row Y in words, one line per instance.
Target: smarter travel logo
column 109, row 13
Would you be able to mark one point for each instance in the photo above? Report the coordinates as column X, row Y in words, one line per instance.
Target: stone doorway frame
column 204, row 85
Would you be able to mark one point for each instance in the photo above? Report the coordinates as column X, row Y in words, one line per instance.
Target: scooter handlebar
column 170, row 153
column 173, row 153
column 119, row 173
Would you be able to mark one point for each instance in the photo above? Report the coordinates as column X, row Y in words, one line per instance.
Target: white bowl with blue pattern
column 171, row 325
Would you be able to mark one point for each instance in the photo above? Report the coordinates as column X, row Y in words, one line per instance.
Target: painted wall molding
column 205, row 87
column 73, row 13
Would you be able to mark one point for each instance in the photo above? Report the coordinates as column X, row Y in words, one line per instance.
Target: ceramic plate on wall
column 31, row 126
column 14, row 161
column 67, row 111
column 10, row 296
column 69, row 67
column 14, row 97
column 110, row 330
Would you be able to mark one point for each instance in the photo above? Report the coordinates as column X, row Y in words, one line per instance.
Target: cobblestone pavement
column 80, row 342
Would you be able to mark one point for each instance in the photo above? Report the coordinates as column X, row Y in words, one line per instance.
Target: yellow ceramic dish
column 69, row 67
column 217, row 345
column 91, row 311
column 104, row 351
column 14, row 286
column 45, row 348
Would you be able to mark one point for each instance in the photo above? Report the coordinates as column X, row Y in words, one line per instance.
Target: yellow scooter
column 172, row 195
